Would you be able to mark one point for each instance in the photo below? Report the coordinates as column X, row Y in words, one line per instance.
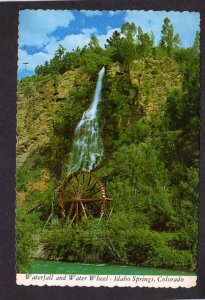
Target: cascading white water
column 87, row 148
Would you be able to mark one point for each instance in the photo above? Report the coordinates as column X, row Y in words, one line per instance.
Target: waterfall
column 87, row 148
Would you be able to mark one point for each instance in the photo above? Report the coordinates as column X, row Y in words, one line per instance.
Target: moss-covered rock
column 155, row 80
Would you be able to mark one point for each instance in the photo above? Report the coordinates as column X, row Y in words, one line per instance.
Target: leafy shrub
column 25, row 173
column 114, row 242
column 27, row 229
column 142, row 245
column 165, row 257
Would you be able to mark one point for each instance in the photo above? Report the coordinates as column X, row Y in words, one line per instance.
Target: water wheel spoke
column 89, row 181
column 94, row 193
column 88, row 194
column 82, row 185
column 91, row 200
column 76, row 177
column 89, row 185
column 81, row 190
column 84, row 189
column 73, row 189
column 92, row 188
column 85, row 193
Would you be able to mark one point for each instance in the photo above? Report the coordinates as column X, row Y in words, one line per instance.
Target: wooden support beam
column 76, row 210
column 83, row 208
column 85, row 200
column 72, row 220
column 70, row 209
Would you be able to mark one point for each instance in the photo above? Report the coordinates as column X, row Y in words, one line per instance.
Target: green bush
column 27, row 230
column 142, row 245
column 74, row 244
column 122, row 239
column 166, row 257
column 187, row 239
column 150, row 249
column 25, row 173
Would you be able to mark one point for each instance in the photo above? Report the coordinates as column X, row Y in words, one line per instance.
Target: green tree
column 60, row 52
column 169, row 41
column 129, row 31
column 94, row 43
column 114, row 40
column 177, row 41
column 196, row 44
column 27, row 228
column 145, row 43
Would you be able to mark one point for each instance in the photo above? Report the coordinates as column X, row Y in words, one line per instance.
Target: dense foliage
column 150, row 166
column 27, row 230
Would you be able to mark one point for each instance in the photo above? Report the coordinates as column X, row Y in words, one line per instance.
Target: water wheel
column 82, row 194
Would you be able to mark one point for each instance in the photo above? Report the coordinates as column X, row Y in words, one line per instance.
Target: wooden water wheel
column 82, row 194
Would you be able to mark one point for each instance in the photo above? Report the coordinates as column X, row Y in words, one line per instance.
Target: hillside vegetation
column 149, row 120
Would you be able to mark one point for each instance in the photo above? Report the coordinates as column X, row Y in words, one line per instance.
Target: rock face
column 154, row 80
column 38, row 101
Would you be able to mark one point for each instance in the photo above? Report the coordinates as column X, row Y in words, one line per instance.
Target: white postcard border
column 72, row 280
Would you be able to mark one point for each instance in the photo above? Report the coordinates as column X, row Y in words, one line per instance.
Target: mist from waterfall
column 87, row 149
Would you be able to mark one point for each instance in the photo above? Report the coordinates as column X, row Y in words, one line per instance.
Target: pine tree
column 196, row 45
column 129, row 30
column 114, row 39
column 60, row 52
column 145, row 43
column 169, row 41
column 94, row 43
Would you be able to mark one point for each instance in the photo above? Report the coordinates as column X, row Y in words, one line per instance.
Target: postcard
column 107, row 150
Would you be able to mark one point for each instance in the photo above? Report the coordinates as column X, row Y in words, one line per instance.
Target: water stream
column 59, row 267
column 87, row 148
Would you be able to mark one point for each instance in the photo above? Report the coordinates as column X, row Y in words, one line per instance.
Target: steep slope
column 144, row 89
column 38, row 101
column 154, row 80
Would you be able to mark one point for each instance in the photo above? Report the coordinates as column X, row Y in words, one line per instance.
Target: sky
column 41, row 31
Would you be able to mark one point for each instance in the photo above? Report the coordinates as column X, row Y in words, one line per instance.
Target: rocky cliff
column 38, row 101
